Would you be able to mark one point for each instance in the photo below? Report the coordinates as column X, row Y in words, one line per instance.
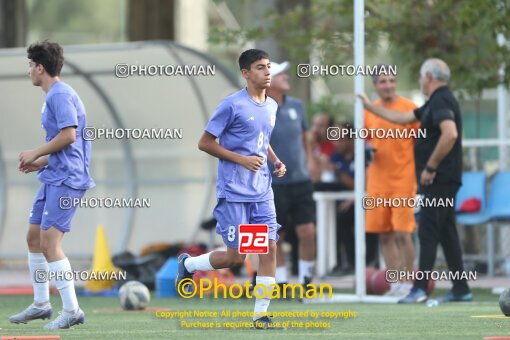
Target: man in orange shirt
column 392, row 175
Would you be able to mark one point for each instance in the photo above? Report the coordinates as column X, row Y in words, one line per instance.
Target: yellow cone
column 102, row 266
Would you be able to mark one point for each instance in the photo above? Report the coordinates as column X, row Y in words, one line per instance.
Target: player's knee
column 33, row 241
column 238, row 261
column 235, row 259
column 46, row 247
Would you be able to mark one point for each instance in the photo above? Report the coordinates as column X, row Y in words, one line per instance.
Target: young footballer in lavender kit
column 243, row 122
column 63, row 168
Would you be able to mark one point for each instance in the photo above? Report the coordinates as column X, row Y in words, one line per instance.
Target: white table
column 326, row 228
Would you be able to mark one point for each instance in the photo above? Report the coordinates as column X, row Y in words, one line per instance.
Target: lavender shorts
column 231, row 214
column 52, row 207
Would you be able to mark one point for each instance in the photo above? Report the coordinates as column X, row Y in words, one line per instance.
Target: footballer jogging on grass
column 243, row 122
column 63, row 168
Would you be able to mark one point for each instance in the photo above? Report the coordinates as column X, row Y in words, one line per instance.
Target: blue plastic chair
column 498, row 208
column 473, row 185
column 495, row 209
column 499, row 197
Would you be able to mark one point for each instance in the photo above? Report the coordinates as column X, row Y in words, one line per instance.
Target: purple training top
column 244, row 127
column 69, row 166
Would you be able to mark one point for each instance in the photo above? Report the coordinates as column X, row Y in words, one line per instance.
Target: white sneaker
column 66, row 319
column 399, row 289
column 405, row 289
column 33, row 312
column 394, row 288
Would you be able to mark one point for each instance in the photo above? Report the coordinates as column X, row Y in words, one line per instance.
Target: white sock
column 38, row 267
column 65, row 287
column 305, row 269
column 281, row 275
column 261, row 305
column 201, row 262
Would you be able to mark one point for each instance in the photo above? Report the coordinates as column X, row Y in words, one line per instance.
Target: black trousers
column 436, row 225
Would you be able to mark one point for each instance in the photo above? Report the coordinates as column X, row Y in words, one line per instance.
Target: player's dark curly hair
column 48, row 54
column 248, row 57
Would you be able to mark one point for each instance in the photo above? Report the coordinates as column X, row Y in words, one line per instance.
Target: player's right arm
column 64, row 138
column 38, row 164
column 207, row 143
column 220, row 122
column 66, row 116
column 391, row 115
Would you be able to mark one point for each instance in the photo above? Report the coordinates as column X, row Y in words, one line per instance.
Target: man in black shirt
column 438, row 160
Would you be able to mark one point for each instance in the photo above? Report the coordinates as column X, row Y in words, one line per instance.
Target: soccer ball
column 134, row 295
column 504, row 302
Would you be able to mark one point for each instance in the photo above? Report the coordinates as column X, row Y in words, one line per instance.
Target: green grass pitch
column 373, row 321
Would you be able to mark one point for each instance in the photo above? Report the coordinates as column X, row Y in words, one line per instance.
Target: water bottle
column 432, row 303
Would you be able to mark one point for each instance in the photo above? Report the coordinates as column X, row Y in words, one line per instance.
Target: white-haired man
column 438, row 159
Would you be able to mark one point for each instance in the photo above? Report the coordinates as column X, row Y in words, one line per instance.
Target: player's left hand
column 427, row 178
column 29, row 168
column 280, row 169
column 26, row 158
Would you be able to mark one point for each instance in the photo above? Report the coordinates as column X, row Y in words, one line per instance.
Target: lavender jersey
column 244, row 127
column 70, row 166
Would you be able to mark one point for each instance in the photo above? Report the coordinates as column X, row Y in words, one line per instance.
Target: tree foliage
column 324, row 29
column 463, row 33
